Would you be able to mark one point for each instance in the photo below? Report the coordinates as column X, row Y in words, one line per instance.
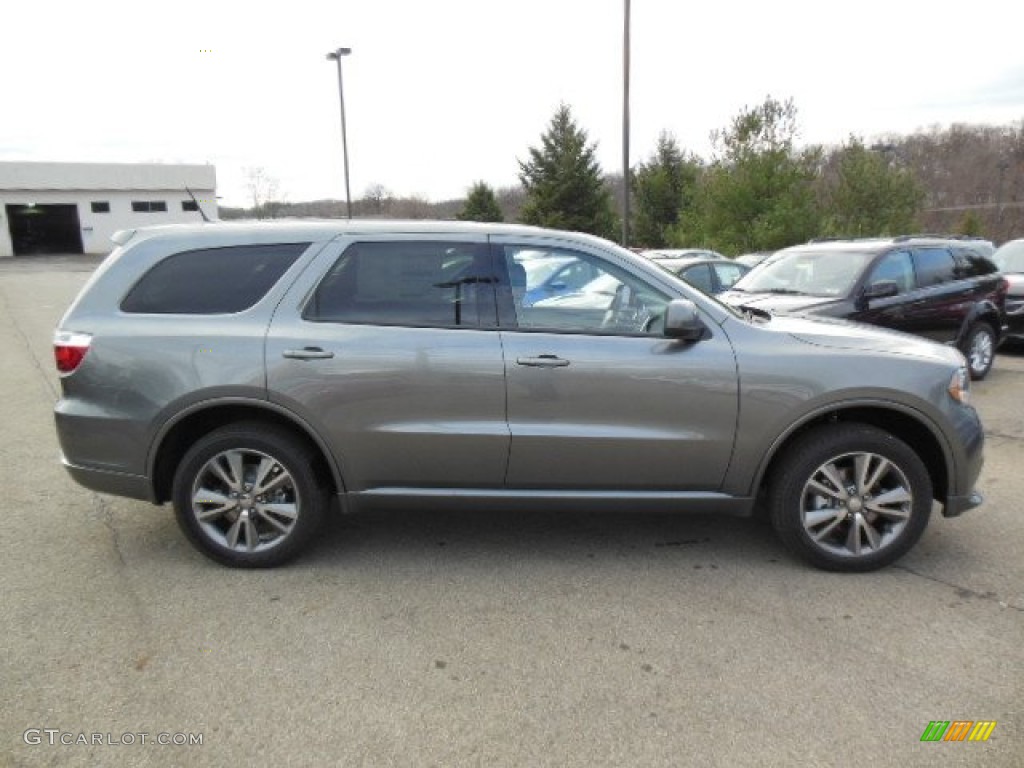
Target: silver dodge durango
column 254, row 373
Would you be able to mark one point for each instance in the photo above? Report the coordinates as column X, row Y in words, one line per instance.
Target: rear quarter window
column 969, row 263
column 211, row 281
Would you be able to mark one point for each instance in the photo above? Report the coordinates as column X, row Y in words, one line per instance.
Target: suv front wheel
column 246, row 495
column 850, row 497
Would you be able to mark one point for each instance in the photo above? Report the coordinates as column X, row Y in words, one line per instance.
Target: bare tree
column 264, row 190
column 377, row 199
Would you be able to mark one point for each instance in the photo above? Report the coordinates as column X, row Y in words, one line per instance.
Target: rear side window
column 933, row 266
column 211, row 281
column 414, row 283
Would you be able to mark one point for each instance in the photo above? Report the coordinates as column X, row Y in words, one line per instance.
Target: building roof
column 105, row 176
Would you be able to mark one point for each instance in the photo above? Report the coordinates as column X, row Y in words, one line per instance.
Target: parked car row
column 247, row 373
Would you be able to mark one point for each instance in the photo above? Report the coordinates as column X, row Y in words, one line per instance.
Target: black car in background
column 941, row 288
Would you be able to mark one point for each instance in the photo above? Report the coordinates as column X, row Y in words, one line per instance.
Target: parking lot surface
column 431, row 638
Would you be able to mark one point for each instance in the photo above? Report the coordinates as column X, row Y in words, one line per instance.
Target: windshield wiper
column 786, row 291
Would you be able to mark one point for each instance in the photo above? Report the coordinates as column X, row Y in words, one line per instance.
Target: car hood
column 846, row 334
column 774, row 302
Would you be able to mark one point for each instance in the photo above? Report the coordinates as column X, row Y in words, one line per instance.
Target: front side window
column 895, row 266
column 413, row 283
column 211, row 281
column 933, row 266
column 594, row 297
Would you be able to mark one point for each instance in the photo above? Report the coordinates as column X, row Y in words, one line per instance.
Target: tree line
column 758, row 191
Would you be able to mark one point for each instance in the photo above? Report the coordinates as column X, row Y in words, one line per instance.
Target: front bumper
column 957, row 505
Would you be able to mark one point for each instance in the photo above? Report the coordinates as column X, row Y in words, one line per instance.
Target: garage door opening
column 42, row 229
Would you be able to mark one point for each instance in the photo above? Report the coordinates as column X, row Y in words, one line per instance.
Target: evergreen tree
column 867, row 195
column 759, row 192
column 481, row 205
column 563, row 181
column 663, row 188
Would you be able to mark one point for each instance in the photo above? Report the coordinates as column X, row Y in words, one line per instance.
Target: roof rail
column 936, row 236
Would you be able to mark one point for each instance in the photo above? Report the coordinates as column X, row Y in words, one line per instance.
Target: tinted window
column 211, row 281
column 189, row 205
column 416, row 283
column 970, row 263
column 101, row 207
column 933, row 266
column 699, row 275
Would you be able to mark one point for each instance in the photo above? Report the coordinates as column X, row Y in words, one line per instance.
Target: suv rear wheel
column 850, row 497
column 980, row 350
column 246, row 495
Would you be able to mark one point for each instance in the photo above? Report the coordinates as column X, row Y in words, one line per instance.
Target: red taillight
column 69, row 350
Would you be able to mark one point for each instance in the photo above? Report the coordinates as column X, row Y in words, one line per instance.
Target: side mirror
column 881, row 289
column 682, row 320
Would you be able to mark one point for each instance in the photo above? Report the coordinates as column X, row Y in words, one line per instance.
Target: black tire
column 980, row 350
column 859, row 533
column 249, row 529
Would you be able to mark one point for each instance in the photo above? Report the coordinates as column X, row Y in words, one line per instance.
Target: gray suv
column 251, row 374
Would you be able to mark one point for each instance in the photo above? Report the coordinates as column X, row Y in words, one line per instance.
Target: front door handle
column 307, row 353
column 543, row 361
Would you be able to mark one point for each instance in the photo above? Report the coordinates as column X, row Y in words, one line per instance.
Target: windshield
column 1010, row 257
column 810, row 273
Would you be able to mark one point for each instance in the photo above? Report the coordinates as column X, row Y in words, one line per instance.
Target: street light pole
column 336, row 56
column 625, row 125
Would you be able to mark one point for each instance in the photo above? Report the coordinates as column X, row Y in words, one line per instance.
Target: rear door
column 598, row 398
column 389, row 347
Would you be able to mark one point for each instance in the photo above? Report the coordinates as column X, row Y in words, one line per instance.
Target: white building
column 76, row 207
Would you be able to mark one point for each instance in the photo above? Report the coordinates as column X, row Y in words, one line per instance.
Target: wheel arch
column 912, row 427
column 981, row 312
column 178, row 434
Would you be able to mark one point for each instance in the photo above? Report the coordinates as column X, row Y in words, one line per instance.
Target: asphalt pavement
column 439, row 639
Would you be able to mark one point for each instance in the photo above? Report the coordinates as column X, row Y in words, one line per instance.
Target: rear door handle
column 543, row 361
column 307, row 353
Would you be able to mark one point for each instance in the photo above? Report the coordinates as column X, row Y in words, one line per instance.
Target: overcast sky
column 440, row 93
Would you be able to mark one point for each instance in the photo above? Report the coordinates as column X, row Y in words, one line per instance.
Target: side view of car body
column 941, row 289
column 249, row 372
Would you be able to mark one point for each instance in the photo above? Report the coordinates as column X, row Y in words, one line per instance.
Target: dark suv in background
column 941, row 288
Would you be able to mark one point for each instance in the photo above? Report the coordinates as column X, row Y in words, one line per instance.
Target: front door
column 598, row 398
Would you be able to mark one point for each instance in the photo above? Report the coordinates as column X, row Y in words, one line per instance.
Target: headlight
column 960, row 386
